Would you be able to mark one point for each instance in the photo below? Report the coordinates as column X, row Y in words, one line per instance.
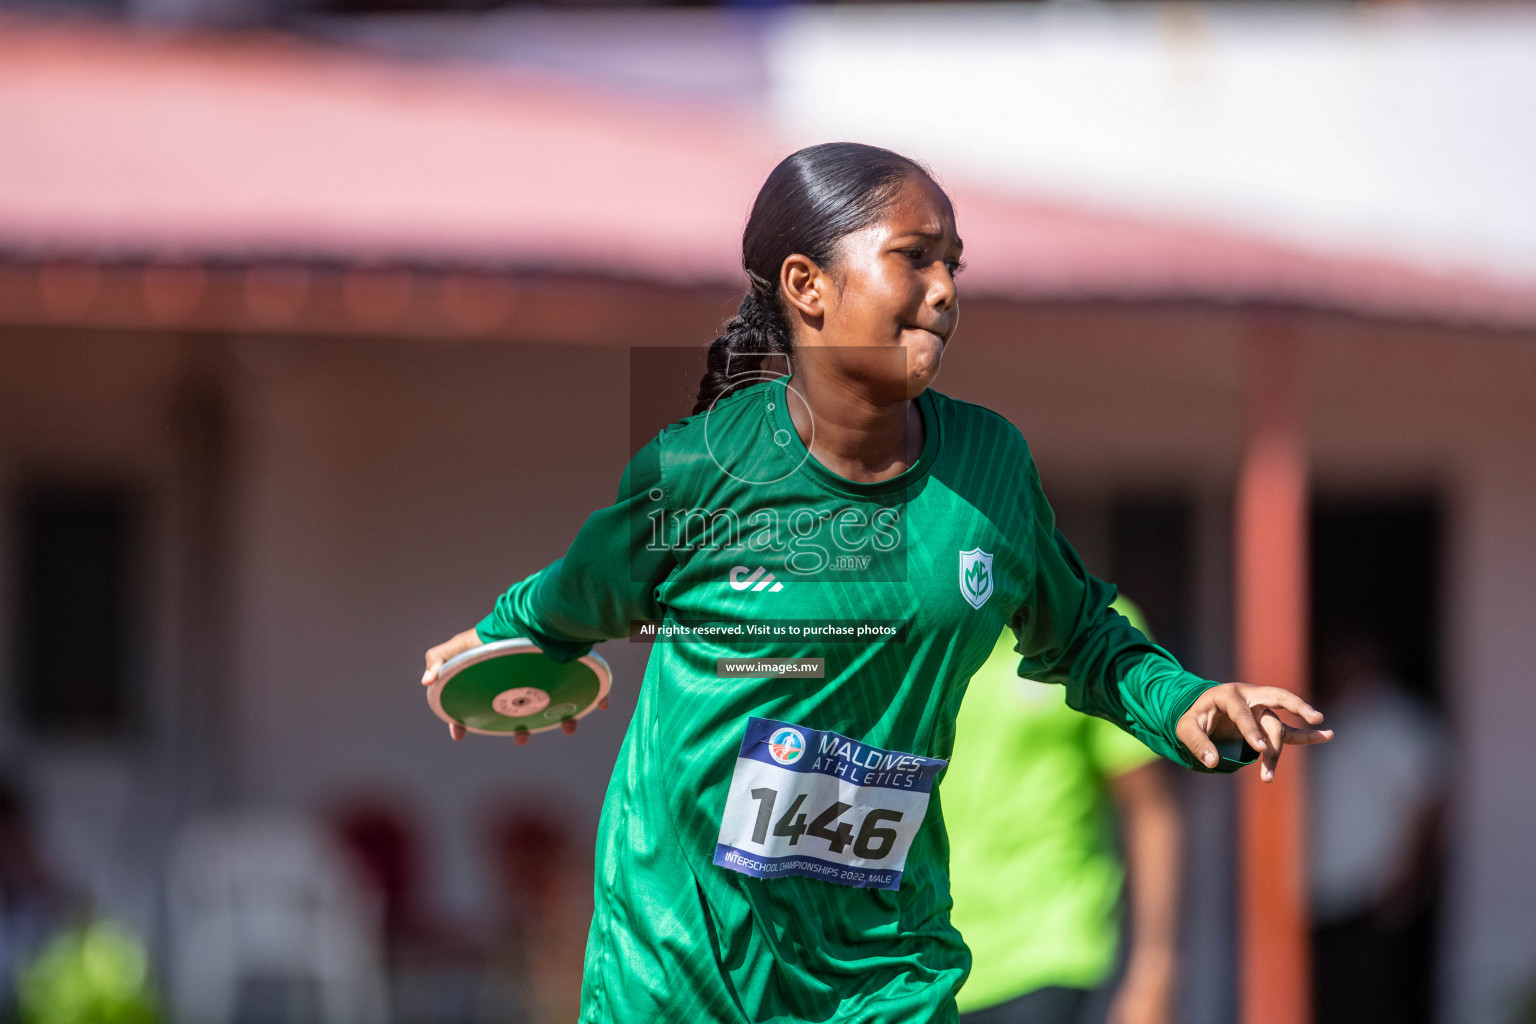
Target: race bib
column 821, row 805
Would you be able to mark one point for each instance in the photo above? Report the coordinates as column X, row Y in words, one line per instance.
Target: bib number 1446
column 872, row 843
column 819, row 804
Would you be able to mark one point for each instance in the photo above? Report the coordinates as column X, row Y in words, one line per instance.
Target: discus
column 512, row 686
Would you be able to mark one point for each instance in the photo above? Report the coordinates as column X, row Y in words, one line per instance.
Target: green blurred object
column 97, row 974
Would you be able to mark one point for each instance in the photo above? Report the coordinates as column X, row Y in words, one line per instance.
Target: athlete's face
column 885, row 309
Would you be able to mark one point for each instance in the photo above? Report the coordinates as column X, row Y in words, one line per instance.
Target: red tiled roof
column 252, row 149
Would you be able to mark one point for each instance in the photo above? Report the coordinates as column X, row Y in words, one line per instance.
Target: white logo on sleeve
column 741, row 581
column 975, row 576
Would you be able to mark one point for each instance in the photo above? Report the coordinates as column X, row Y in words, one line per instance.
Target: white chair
column 264, row 899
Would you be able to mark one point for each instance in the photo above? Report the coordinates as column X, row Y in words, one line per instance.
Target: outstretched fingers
column 1275, row 697
column 1253, row 713
column 1303, row 737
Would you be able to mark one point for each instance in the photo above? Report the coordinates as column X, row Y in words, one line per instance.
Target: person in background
column 1376, row 804
column 1029, row 802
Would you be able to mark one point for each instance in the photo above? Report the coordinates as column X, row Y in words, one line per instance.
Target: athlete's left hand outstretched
column 1240, row 711
column 460, row 643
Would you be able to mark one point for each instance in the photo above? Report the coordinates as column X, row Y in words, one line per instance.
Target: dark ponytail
column 809, row 202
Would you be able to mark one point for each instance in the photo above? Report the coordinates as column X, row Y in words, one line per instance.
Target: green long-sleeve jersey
column 772, row 845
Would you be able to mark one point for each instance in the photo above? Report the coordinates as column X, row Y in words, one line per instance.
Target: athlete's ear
column 803, row 285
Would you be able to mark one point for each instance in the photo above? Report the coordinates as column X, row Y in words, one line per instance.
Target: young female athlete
column 772, row 846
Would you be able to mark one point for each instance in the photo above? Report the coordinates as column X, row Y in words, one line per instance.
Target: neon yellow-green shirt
column 1034, row 872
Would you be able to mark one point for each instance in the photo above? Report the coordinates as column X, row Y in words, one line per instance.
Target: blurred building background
column 322, row 322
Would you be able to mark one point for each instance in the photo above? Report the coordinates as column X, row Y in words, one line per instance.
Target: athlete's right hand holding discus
column 1238, row 711
column 458, row 644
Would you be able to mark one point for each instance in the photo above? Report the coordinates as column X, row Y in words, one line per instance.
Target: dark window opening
column 1376, row 576
column 1152, row 551
column 72, row 609
column 1376, row 572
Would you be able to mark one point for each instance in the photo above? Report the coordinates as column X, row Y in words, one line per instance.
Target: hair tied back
column 810, row 201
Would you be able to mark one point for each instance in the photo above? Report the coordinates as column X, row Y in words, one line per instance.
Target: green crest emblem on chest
column 975, row 576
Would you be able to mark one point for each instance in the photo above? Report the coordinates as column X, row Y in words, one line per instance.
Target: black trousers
column 1042, row 1006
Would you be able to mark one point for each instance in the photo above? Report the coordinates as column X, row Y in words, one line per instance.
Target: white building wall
column 1408, row 130
column 1490, row 941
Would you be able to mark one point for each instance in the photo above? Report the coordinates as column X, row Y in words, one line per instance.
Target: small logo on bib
column 786, row 746
column 975, row 576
